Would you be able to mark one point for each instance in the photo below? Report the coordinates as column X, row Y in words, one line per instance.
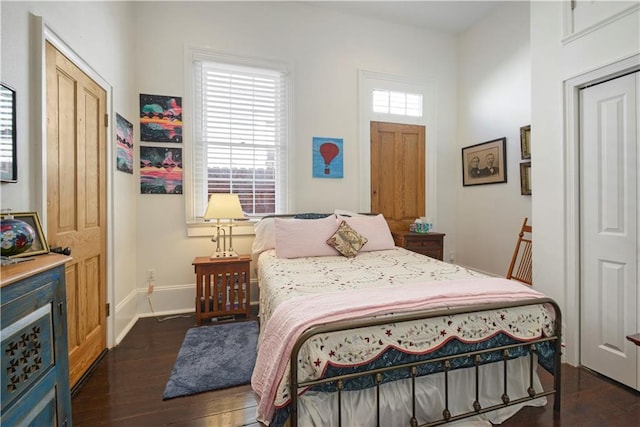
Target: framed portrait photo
column 484, row 163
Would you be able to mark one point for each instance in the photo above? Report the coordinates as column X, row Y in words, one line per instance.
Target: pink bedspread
column 294, row 316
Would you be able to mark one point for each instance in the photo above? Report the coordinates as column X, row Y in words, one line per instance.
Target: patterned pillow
column 346, row 240
column 375, row 228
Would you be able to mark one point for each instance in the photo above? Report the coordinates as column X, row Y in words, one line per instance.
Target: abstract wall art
column 124, row 144
column 160, row 170
column 160, row 118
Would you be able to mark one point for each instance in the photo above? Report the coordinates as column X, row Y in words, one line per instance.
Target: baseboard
column 163, row 301
column 126, row 315
column 166, row 300
column 176, row 299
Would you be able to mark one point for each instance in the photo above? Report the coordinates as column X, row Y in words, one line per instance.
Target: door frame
column 367, row 81
column 43, row 33
column 572, row 88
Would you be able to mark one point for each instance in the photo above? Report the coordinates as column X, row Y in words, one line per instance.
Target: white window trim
column 199, row 227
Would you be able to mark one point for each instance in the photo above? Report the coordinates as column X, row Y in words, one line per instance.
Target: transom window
column 398, row 103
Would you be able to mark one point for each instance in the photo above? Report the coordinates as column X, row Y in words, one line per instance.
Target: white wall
column 554, row 62
column 325, row 50
column 101, row 34
column 494, row 101
column 138, row 48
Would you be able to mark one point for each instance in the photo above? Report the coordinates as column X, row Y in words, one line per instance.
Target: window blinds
column 241, row 135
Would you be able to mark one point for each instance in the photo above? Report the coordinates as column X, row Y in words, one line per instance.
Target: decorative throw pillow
column 346, row 240
column 375, row 228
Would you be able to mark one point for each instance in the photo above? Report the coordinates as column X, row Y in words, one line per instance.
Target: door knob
column 62, row 251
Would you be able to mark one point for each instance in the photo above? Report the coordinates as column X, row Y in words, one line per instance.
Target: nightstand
column 222, row 287
column 430, row 244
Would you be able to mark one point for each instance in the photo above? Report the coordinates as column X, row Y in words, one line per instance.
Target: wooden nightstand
column 222, row 287
column 429, row 244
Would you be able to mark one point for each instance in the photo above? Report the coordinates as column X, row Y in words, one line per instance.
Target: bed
column 367, row 333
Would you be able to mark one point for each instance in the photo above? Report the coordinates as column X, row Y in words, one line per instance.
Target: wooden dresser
column 35, row 364
column 429, row 244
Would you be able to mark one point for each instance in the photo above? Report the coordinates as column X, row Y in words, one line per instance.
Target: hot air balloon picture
column 328, row 160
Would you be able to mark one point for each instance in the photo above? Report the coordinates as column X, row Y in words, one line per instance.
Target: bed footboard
column 412, row 370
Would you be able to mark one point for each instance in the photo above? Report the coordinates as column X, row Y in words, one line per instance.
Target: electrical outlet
column 452, row 257
column 151, row 274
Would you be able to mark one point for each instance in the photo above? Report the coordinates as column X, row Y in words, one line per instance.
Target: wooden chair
column 520, row 268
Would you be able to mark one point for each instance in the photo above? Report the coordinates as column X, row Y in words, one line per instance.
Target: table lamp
column 224, row 206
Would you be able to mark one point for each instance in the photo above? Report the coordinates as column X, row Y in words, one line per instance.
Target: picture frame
column 160, row 118
column 8, row 135
column 328, row 157
column 525, row 142
column 39, row 245
column 485, row 163
column 160, row 170
column 525, row 178
column 124, row 144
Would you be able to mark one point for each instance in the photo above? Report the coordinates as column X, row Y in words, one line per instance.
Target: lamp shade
column 224, row 206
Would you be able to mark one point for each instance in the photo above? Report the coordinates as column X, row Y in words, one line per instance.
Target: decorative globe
column 17, row 236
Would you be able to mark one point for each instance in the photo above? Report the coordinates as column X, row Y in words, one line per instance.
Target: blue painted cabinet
column 35, row 364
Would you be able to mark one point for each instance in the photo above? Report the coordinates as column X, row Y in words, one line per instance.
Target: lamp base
column 224, row 254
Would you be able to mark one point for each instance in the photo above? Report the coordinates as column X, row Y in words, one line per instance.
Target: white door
column 609, row 228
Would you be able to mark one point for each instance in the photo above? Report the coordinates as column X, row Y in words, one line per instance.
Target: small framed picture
column 484, row 163
column 525, row 142
column 525, row 178
column 328, row 157
column 39, row 245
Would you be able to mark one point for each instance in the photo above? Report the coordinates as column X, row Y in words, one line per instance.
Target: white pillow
column 374, row 228
column 265, row 236
column 296, row 238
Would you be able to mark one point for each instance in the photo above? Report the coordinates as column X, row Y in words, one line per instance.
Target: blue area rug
column 214, row 357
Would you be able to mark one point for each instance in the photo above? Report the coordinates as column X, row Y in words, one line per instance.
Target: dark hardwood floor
column 127, row 385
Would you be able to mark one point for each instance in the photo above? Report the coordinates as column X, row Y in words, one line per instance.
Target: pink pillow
column 265, row 236
column 297, row 238
column 374, row 228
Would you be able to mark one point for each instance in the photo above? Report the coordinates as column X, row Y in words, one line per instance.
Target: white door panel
column 609, row 228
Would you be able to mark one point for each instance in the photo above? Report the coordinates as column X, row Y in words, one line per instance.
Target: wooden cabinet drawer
column 430, row 244
column 421, row 244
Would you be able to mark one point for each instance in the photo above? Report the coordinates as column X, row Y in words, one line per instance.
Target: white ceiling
column 450, row 16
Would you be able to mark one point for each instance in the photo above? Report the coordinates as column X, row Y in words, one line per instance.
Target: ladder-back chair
column 520, row 268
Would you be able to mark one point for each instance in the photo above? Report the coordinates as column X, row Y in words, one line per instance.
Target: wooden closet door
column 76, row 196
column 398, row 172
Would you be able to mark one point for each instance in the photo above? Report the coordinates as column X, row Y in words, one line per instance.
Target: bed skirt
column 358, row 406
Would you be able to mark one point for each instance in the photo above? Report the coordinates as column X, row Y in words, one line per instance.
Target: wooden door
column 609, row 238
column 397, row 172
column 76, row 198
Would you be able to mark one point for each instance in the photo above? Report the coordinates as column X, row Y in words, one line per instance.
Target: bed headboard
column 314, row 215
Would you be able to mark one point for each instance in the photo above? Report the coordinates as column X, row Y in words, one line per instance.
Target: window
column 399, row 103
column 240, row 135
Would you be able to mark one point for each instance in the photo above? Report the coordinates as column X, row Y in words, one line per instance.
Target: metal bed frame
column 412, row 367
